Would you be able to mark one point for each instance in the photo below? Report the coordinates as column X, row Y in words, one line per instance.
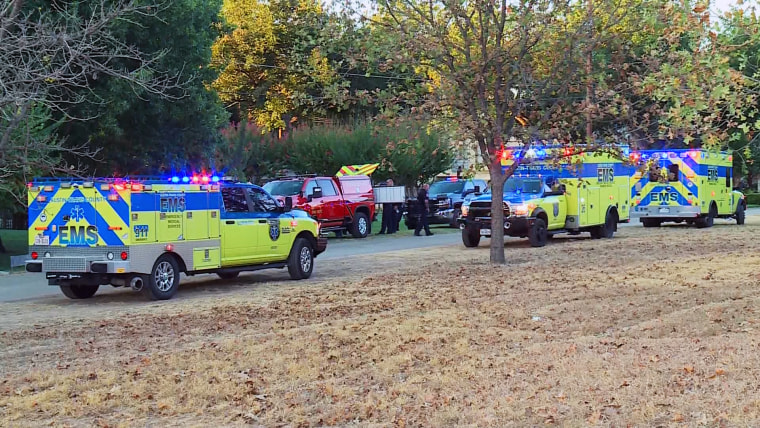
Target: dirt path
column 654, row 327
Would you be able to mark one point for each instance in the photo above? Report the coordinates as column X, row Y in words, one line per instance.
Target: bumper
column 80, row 265
column 442, row 216
column 513, row 226
column 665, row 211
column 321, row 245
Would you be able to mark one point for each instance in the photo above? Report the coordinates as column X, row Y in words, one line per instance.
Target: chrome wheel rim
column 362, row 225
column 164, row 276
column 305, row 259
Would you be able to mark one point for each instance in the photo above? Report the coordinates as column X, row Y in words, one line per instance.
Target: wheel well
column 542, row 215
column 179, row 260
column 614, row 212
column 309, row 237
column 714, row 205
column 364, row 210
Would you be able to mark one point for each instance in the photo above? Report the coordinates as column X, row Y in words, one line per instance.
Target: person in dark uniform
column 389, row 222
column 422, row 202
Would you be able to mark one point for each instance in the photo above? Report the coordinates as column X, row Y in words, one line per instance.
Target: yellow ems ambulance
column 144, row 233
column 586, row 192
column 684, row 185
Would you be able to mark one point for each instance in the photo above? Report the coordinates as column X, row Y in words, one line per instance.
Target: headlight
column 524, row 209
column 465, row 209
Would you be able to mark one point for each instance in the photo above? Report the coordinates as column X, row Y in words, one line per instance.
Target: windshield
column 284, row 188
column 523, row 185
column 440, row 187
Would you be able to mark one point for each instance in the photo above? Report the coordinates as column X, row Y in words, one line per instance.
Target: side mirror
column 317, row 192
column 477, row 189
column 288, row 203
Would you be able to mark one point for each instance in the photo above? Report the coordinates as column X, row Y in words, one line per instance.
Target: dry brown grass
column 656, row 327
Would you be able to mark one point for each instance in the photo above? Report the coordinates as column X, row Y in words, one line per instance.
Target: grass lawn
column 15, row 242
column 639, row 330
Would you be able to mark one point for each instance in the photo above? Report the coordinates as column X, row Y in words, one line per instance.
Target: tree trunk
column 2, row 248
column 497, row 212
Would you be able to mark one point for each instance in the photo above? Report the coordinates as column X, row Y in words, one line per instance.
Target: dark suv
column 446, row 195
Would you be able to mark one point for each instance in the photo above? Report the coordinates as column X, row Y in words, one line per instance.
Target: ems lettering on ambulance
column 670, row 180
column 72, row 216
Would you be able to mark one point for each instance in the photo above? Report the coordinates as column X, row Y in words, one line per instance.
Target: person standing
column 423, row 203
column 388, row 221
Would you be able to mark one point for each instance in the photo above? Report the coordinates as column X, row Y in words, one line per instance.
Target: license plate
column 484, row 232
column 664, row 210
column 41, row 240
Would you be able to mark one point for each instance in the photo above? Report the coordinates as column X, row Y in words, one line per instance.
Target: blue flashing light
column 175, row 179
column 185, row 179
column 215, row 179
column 540, row 153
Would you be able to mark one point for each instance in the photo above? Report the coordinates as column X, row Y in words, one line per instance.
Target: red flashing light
column 635, row 157
column 694, row 154
column 169, row 247
column 205, row 179
column 137, row 187
column 196, row 179
column 34, row 255
column 119, row 187
column 568, row 151
column 113, row 197
column 124, row 255
column 504, row 154
column 293, row 223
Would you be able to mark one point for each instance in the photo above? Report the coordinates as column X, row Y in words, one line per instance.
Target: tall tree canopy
column 598, row 72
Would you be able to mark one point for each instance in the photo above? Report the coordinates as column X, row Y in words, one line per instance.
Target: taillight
column 34, row 255
column 124, row 255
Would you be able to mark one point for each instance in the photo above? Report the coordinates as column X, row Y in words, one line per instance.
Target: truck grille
column 483, row 209
column 65, row 264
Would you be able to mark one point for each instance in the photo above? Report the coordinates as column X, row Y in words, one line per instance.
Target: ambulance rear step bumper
column 665, row 211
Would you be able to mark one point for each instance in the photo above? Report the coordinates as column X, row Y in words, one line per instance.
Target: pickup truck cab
column 338, row 203
column 446, row 195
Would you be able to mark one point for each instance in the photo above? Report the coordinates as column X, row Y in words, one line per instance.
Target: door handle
column 230, row 222
column 262, row 220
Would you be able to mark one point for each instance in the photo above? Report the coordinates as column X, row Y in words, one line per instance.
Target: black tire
column 608, row 229
column 470, row 237
column 538, row 233
column 454, row 216
column 79, row 291
column 301, row 259
column 360, row 228
column 709, row 219
column 650, row 222
column 228, row 275
column 740, row 214
column 163, row 281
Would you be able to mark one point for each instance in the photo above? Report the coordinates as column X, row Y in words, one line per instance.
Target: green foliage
column 35, row 150
column 249, row 154
column 146, row 133
column 407, row 151
column 325, row 149
column 753, row 198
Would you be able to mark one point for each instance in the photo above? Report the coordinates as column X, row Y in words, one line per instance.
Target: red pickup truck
column 338, row 203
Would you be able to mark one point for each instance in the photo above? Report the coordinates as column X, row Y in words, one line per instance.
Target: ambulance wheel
column 79, row 291
column 538, row 233
column 301, row 259
column 607, row 230
column 228, row 275
column 360, row 226
column 470, row 237
column 708, row 220
column 740, row 214
column 164, row 279
column 650, row 222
